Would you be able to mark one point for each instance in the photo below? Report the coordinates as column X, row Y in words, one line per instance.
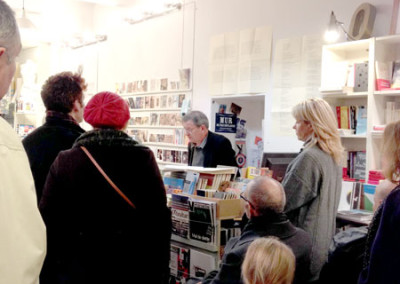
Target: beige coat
column 22, row 231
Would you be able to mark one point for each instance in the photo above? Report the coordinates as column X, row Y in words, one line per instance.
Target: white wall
column 153, row 49
column 288, row 18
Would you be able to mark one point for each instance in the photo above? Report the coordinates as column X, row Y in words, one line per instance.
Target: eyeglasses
column 191, row 130
column 245, row 199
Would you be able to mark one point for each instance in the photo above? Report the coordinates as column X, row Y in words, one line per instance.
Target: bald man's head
column 266, row 195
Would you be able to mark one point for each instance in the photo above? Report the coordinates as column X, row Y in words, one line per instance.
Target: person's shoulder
column 212, row 136
column 8, row 137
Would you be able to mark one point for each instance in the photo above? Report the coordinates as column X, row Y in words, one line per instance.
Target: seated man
column 264, row 203
column 206, row 149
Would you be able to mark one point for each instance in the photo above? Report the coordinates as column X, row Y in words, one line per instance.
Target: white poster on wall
column 239, row 62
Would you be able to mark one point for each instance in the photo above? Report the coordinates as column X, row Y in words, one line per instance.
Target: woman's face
column 303, row 129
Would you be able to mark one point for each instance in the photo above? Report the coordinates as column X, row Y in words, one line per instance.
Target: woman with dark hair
column 100, row 230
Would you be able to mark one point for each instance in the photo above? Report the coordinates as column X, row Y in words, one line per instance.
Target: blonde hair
column 391, row 151
column 323, row 121
column 268, row 261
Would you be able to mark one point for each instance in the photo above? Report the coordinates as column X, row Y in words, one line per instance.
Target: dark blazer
column 43, row 145
column 217, row 151
column 94, row 235
column 277, row 226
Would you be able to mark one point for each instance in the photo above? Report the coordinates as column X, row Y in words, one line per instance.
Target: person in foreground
column 23, row 234
column 206, row 149
column 96, row 235
column 62, row 95
column 382, row 254
column 264, row 203
column 268, row 261
column 313, row 180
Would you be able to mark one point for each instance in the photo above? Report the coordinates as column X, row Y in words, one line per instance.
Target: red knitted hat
column 107, row 109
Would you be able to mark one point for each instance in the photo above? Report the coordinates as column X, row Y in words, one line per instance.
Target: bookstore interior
column 245, row 65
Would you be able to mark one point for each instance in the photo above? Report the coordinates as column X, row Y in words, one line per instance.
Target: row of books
column 356, row 196
column 173, row 137
column 156, row 119
column 352, row 117
column 156, row 102
column 387, row 75
column 190, row 179
column 355, row 165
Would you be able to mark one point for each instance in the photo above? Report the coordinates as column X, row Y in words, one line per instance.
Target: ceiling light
column 23, row 22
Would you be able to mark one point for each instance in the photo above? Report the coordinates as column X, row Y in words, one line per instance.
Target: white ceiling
column 39, row 5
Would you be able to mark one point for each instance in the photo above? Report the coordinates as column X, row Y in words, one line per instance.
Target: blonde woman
column 382, row 255
column 313, row 179
column 268, row 261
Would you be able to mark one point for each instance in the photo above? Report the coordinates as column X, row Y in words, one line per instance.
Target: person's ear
column 2, row 51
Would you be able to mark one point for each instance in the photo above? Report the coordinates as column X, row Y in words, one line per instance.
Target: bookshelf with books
column 200, row 225
column 156, row 121
column 156, row 107
column 363, row 73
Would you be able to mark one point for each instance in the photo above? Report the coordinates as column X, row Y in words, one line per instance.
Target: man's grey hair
column 9, row 33
column 197, row 117
column 266, row 195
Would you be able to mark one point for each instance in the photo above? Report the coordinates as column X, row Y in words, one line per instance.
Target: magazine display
column 194, row 219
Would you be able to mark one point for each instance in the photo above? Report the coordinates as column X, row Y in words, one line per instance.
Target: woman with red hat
column 100, row 218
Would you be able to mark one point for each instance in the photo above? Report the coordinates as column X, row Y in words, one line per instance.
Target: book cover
column 361, row 121
column 383, row 71
column 396, row 75
column 360, row 163
column 173, row 183
column 356, row 195
column 344, row 117
column 201, row 221
column 345, row 196
column 361, row 77
column 369, row 191
column 338, row 116
column 180, row 215
column 190, row 182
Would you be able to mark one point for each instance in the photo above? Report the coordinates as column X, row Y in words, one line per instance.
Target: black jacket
column 217, row 151
column 277, row 226
column 43, row 145
column 94, row 236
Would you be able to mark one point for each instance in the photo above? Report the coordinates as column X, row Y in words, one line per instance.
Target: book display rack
column 201, row 226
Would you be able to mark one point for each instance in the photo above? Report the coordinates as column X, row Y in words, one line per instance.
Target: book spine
column 338, row 116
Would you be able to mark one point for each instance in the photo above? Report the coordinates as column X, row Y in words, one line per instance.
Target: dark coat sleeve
column 385, row 251
column 230, row 269
column 218, row 151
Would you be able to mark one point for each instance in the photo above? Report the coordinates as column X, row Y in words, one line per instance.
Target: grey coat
column 313, row 184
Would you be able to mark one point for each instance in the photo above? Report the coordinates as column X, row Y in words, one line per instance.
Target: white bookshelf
column 368, row 50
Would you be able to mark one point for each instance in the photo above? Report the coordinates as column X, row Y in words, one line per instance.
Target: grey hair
column 9, row 33
column 266, row 195
column 197, row 117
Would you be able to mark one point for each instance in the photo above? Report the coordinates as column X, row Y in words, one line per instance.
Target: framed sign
column 225, row 122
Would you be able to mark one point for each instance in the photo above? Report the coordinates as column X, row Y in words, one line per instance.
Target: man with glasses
column 264, row 201
column 206, row 149
column 23, row 234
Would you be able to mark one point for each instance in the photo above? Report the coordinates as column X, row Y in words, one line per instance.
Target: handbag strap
column 107, row 178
